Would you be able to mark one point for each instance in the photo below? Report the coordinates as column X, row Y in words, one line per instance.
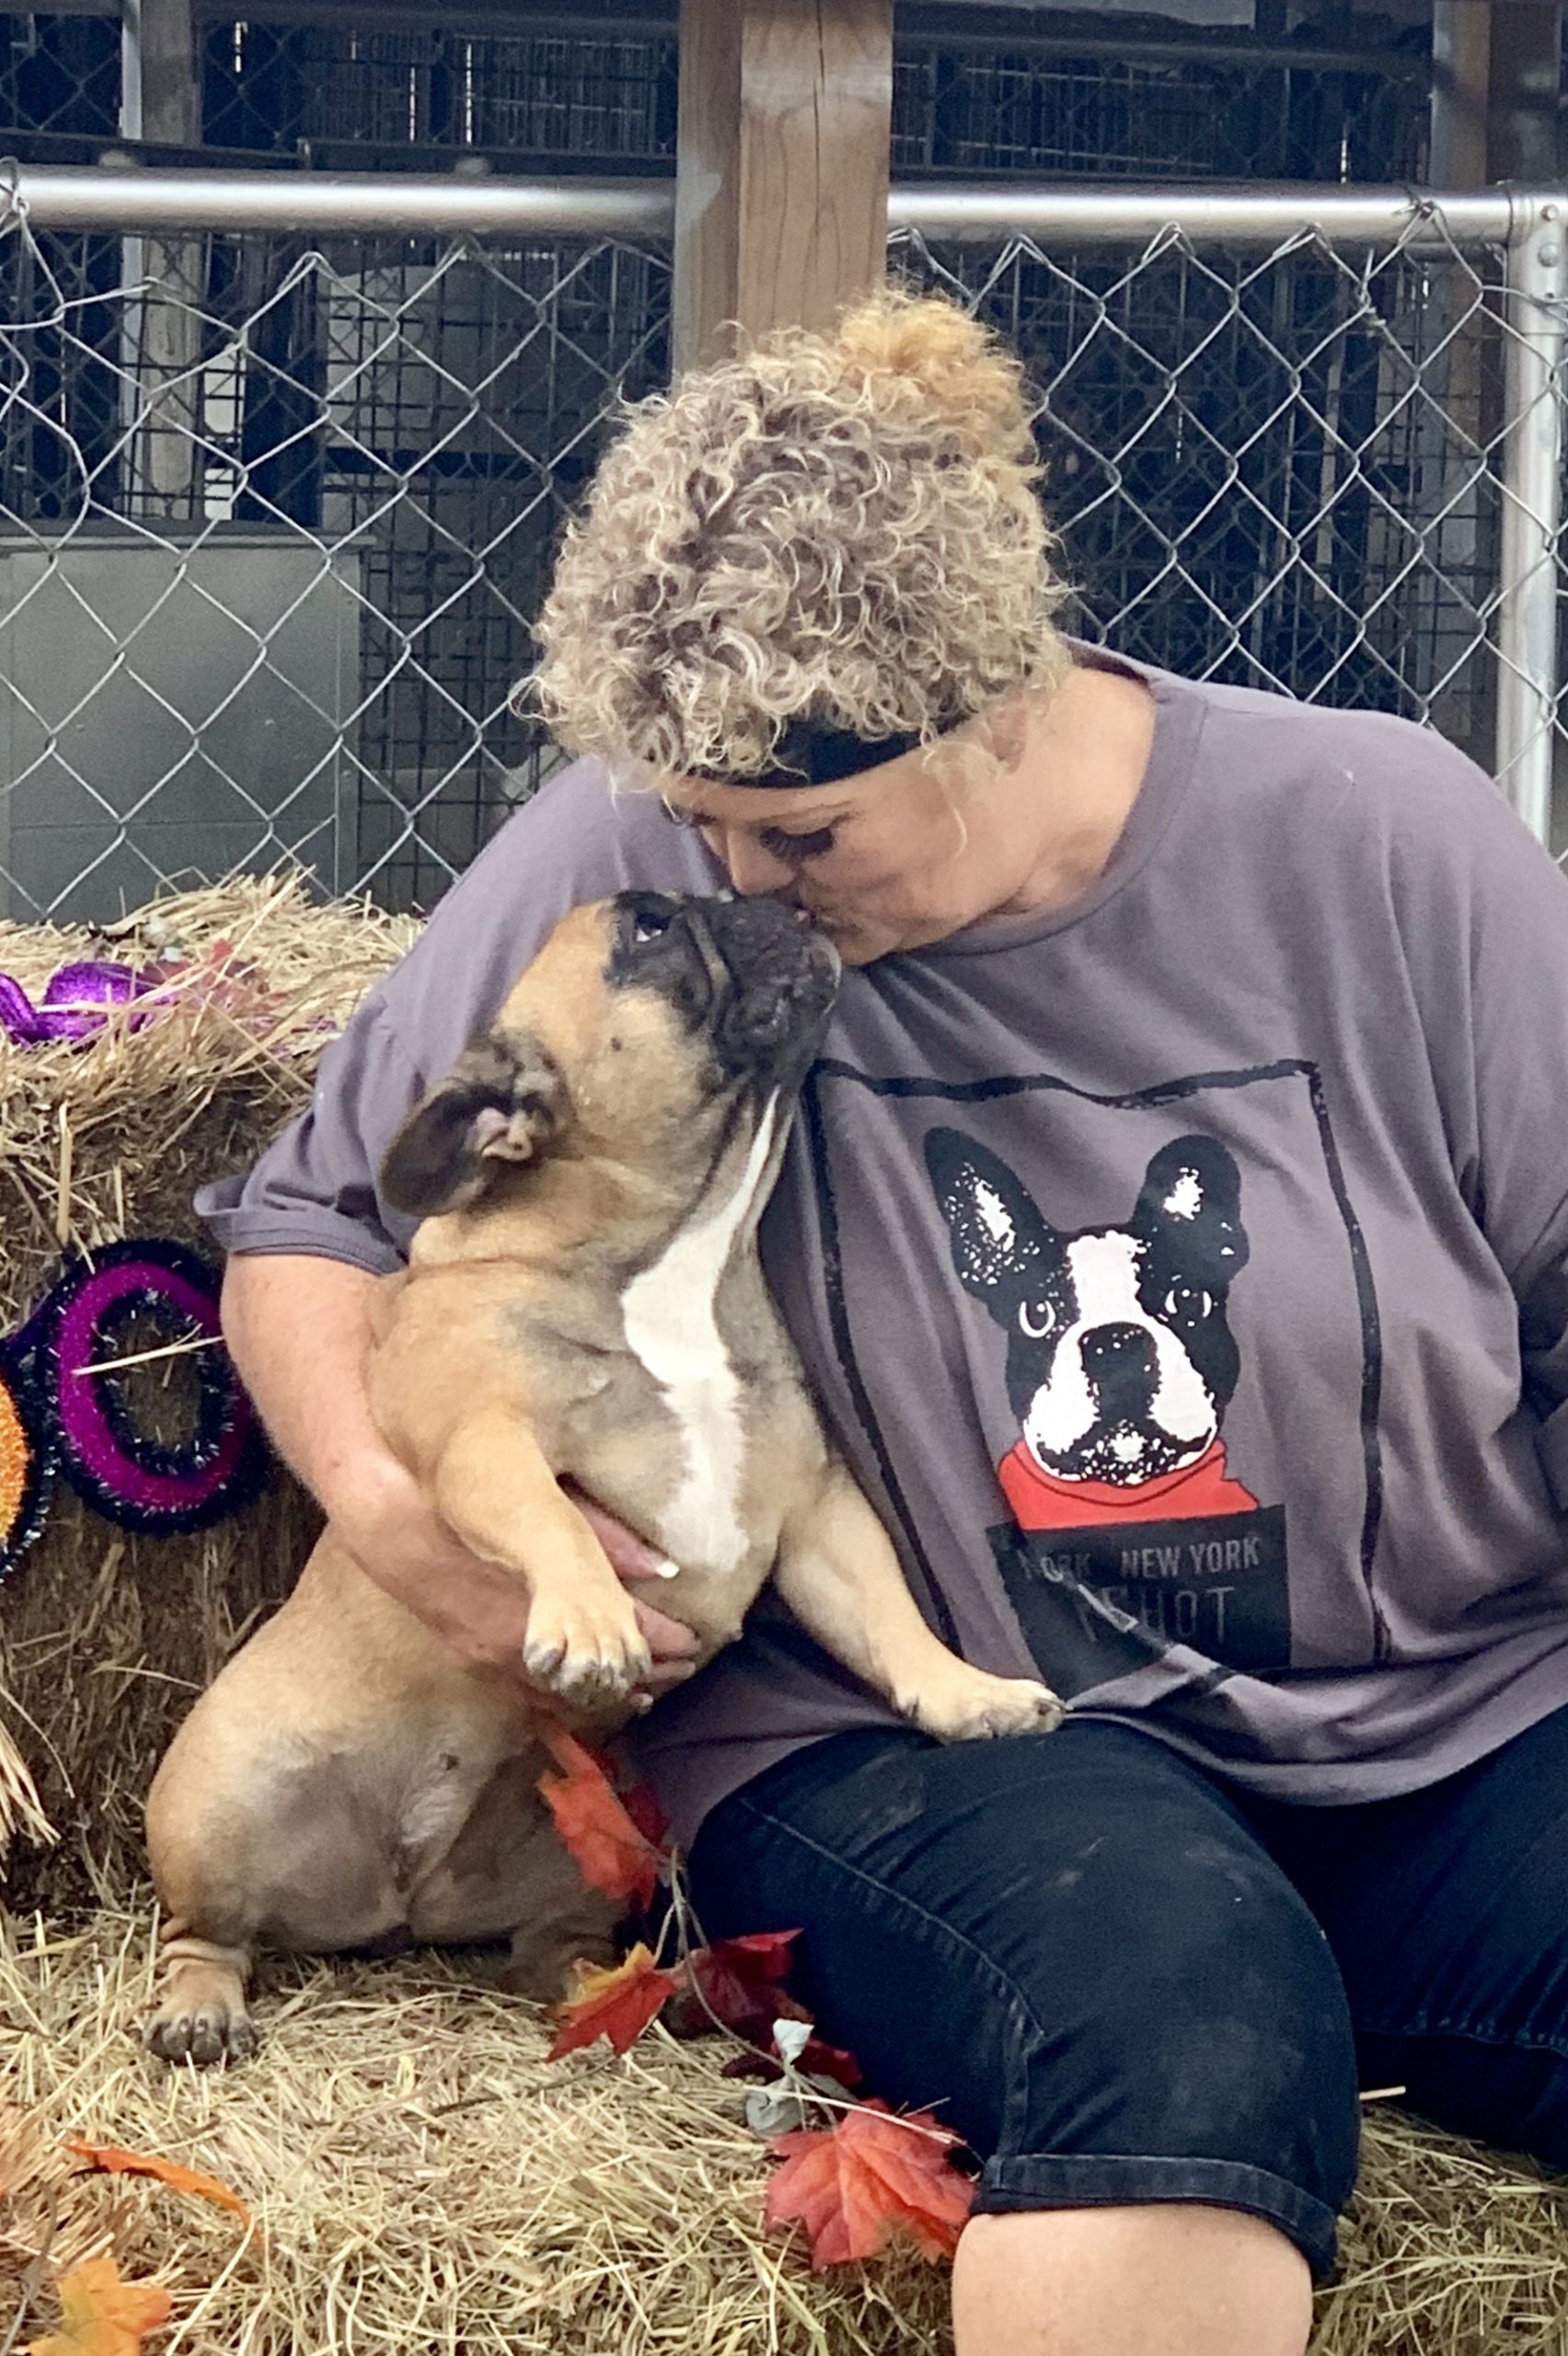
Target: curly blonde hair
column 842, row 528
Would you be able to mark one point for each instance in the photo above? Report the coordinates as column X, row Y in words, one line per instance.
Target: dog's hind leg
column 259, row 1832
column 201, row 2013
column 507, row 1874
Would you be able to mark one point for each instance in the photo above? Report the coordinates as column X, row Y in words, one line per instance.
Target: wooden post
column 163, row 102
column 1526, row 74
column 785, row 122
column 1463, row 379
column 171, row 98
column 1461, row 60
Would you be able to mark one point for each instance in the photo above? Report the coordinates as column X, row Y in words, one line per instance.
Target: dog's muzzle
column 754, row 975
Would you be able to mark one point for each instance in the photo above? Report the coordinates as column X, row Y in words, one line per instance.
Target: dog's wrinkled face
column 643, row 1021
column 1121, row 1360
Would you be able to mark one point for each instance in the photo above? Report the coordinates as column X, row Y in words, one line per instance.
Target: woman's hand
column 479, row 1611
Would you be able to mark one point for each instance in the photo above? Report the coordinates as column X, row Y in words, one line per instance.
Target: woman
column 1175, row 1234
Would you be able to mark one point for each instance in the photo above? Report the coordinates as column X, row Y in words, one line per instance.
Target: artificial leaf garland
column 77, row 1001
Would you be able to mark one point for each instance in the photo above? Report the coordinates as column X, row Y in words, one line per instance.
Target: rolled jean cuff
column 1114, row 2180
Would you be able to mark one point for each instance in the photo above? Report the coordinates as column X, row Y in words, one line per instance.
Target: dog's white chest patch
column 670, row 1322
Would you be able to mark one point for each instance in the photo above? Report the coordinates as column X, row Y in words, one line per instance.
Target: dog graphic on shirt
column 1121, row 1361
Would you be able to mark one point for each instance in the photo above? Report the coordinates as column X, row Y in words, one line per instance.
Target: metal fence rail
column 283, row 460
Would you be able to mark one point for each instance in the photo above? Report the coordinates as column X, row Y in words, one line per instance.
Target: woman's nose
column 753, row 870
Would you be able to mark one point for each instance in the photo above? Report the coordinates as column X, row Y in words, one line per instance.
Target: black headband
column 811, row 753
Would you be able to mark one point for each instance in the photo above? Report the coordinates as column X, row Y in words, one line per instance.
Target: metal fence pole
column 1530, row 679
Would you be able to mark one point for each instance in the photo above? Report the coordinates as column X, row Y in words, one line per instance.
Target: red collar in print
column 1040, row 1501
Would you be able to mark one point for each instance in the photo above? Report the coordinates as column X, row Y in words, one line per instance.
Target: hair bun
column 952, row 365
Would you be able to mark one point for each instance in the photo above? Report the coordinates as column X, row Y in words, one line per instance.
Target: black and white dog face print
column 1120, row 1359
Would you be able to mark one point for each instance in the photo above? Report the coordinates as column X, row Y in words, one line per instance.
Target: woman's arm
column 298, row 1329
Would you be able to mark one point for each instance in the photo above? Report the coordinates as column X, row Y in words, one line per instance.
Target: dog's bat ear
column 501, row 1102
column 1191, row 1200
column 999, row 1241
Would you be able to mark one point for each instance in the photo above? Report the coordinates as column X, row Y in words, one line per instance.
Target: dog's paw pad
column 586, row 1656
column 206, row 2037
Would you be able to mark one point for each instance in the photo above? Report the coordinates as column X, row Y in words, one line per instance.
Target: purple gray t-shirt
column 1183, row 1273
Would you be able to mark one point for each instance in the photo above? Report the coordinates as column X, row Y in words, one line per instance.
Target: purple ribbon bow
column 74, row 1005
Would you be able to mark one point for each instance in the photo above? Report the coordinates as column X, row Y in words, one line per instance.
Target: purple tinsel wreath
column 131, row 1479
column 77, row 1001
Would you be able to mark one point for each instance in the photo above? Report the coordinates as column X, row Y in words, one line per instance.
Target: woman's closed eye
column 777, row 841
column 789, row 848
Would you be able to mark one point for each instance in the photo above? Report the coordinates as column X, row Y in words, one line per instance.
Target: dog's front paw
column 973, row 1704
column 214, row 2030
column 587, row 1649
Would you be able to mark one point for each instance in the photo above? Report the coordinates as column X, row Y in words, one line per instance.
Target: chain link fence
column 351, row 90
column 1280, row 470
column 275, row 511
column 274, row 517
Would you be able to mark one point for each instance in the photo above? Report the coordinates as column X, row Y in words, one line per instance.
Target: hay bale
column 106, row 1635
column 426, row 2179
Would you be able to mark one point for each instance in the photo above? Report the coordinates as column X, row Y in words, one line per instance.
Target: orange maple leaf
column 114, row 2160
column 618, row 2004
column 101, row 2316
column 873, row 2176
column 612, row 1854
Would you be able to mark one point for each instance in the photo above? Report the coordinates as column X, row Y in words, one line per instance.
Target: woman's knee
column 1086, row 1970
column 1180, row 2280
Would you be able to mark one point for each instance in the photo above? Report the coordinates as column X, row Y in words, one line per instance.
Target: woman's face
column 883, row 859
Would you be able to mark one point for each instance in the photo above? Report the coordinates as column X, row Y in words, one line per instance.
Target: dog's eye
column 1181, row 1303
column 650, row 925
column 1037, row 1319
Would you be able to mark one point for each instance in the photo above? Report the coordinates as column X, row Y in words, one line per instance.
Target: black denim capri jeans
column 1120, row 1979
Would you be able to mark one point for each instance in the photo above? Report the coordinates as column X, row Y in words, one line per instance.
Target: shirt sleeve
column 313, row 1190
column 1485, row 920
column 1520, row 980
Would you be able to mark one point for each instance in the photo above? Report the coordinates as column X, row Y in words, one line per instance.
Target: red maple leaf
column 737, row 1983
column 819, row 2060
column 642, row 1805
column 612, row 1854
column 873, row 2176
column 617, row 2003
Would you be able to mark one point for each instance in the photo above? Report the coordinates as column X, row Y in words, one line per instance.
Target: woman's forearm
column 298, row 1330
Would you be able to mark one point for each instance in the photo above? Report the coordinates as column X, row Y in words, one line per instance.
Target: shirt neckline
column 1178, row 724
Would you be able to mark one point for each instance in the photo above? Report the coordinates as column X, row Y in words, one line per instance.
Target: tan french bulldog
column 584, row 1299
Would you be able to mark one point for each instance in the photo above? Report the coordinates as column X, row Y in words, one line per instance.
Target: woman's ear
column 503, row 1102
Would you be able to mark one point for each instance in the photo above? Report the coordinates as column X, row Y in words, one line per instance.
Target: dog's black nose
column 1123, row 1369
